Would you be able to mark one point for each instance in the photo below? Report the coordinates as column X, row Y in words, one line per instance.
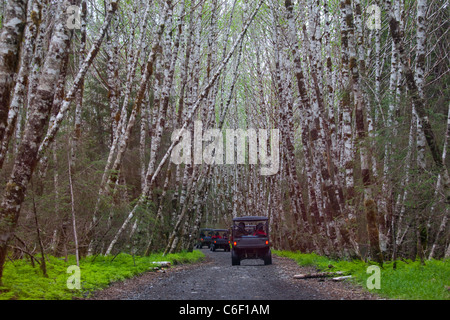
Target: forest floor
column 215, row 278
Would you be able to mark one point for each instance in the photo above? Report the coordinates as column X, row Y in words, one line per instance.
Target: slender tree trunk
column 27, row 157
column 419, row 103
column 120, row 139
column 39, row 239
column 360, row 101
column 18, row 97
column 52, row 131
column 79, row 95
column 10, row 41
column 443, row 224
column 298, row 206
column 421, row 37
column 316, row 129
column 74, row 221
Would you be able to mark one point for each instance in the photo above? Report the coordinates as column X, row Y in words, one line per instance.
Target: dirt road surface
column 217, row 279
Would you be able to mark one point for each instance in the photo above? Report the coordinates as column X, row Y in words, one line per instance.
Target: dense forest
column 97, row 95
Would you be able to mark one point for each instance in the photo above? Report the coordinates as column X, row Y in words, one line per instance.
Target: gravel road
column 216, row 279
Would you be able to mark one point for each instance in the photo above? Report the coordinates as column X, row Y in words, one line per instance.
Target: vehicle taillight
column 267, row 242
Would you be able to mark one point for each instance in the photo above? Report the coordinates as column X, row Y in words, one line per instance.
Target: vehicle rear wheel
column 268, row 258
column 235, row 260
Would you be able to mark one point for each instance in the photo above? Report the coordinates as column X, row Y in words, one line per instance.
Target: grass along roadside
column 23, row 282
column 410, row 280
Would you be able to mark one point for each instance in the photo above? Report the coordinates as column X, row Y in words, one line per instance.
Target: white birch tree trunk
column 419, row 103
column 18, row 97
column 27, row 157
column 11, row 36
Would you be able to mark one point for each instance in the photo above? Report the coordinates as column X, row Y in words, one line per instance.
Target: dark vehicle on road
column 250, row 239
column 220, row 240
column 205, row 238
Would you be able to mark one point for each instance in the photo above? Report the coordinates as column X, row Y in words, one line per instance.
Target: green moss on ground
column 23, row 282
column 409, row 281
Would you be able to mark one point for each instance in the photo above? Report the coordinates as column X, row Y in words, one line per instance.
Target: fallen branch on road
column 341, row 278
column 162, row 264
column 318, row 275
